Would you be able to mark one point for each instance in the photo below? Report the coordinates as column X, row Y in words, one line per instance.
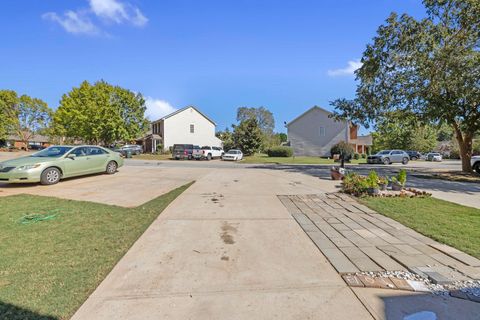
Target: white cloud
column 107, row 11
column 347, row 71
column 157, row 108
column 73, row 22
column 118, row 12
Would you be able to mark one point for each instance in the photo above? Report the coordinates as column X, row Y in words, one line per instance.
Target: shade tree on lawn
column 101, row 113
column 428, row 67
column 23, row 115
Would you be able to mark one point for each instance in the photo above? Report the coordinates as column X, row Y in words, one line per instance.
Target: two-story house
column 184, row 126
column 314, row 132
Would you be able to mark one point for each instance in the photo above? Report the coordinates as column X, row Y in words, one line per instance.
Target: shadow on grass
column 11, row 312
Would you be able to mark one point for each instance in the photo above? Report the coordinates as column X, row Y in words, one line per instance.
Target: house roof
column 307, row 112
column 183, row 109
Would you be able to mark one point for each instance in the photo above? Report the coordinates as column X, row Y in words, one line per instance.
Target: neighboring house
column 35, row 142
column 313, row 133
column 184, row 126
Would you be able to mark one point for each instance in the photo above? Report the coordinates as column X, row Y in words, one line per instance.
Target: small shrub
column 372, row 180
column 364, row 156
column 355, row 184
column 382, row 180
column 402, row 177
column 343, row 148
column 356, row 156
column 284, row 152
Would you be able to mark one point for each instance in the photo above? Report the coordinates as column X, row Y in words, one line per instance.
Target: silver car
column 389, row 157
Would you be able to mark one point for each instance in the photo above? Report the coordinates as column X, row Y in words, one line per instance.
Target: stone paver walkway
column 355, row 238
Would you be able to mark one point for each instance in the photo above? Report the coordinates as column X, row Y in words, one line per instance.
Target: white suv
column 210, row 153
column 475, row 161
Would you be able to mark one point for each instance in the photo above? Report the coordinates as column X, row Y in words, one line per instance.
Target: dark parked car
column 132, row 148
column 414, row 155
column 122, row 152
column 182, row 151
column 389, row 157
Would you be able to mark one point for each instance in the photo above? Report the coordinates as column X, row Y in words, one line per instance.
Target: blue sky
column 217, row 55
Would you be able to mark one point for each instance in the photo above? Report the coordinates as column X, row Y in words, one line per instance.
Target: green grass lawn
column 446, row 222
column 49, row 268
column 263, row 158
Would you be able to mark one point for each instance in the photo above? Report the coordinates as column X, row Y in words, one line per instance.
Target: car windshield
column 384, row 152
column 232, row 152
column 52, row 152
column 205, row 148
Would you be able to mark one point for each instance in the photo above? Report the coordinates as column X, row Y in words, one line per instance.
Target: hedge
column 280, row 152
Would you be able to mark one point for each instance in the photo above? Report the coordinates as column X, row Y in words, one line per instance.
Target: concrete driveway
column 227, row 249
column 129, row 187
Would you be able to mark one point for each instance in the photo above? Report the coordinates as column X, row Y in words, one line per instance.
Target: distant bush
column 364, row 156
column 280, row 152
column 343, row 148
column 356, row 156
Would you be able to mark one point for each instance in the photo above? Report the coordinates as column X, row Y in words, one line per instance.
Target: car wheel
column 476, row 167
column 111, row 167
column 414, row 158
column 209, row 157
column 404, row 160
column 386, row 161
column 50, row 176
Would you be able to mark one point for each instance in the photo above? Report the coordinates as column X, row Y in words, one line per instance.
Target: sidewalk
column 227, row 249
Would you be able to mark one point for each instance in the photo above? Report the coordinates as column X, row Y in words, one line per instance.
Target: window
column 80, row 152
column 321, row 131
column 192, row 128
column 95, row 151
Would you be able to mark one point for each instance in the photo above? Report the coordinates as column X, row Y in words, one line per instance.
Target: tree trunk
column 465, row 146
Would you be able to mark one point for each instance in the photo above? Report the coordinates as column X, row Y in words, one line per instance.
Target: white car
column 210, row 153
column 475, row 162
column 434, row 156
column 233, row 155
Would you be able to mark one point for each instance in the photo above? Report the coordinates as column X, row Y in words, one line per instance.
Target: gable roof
column 307, row 112
column 183, row 109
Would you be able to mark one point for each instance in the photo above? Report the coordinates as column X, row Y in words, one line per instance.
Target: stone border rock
column 408, row 281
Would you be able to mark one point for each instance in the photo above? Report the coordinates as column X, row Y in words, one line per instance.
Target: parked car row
column 190, row 151
column 400, row 156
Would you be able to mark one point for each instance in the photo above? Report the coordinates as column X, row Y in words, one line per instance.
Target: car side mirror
column 71, row 156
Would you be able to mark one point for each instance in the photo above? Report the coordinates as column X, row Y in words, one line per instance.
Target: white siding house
column 313, row 133
column 185, row 126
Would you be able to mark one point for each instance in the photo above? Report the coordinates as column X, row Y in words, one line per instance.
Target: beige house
column 184, row 126
column 313, row 133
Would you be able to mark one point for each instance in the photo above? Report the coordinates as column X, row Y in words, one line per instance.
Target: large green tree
column 32, row 115
column 402, row 131
column 264, row 117
column 8, row 104
column 248, row 136
column 23, row 116
column 430, row 67
column 101, row 113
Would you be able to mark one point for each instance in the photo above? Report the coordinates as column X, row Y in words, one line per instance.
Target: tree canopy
column 428, row 67
column 8, row 103
column 402, row 131
column 101, row 113
column 24, row 116
column 264, row 117
column 247, row 136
